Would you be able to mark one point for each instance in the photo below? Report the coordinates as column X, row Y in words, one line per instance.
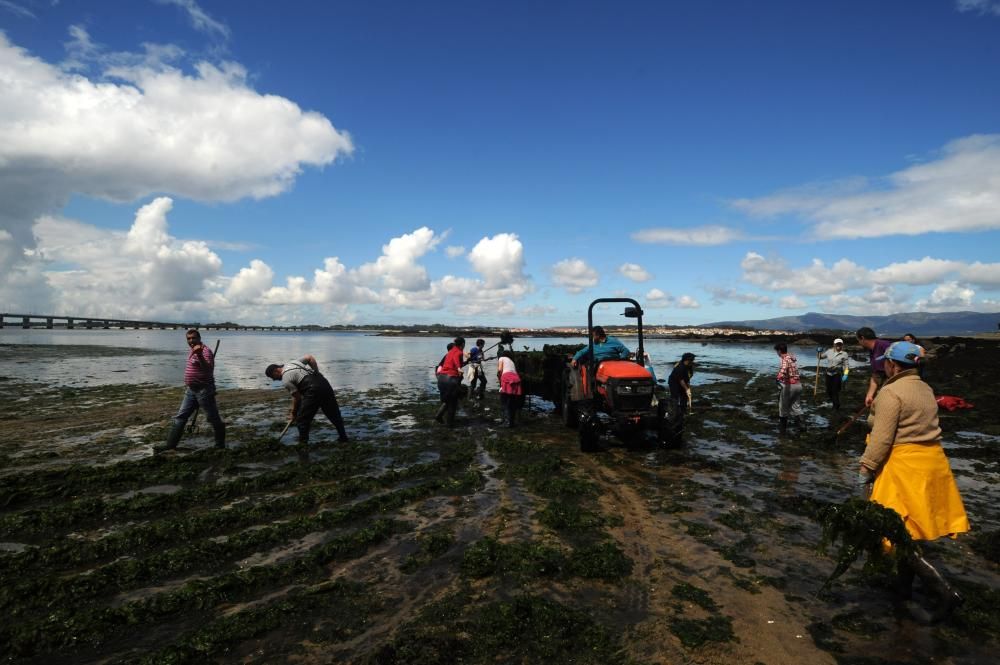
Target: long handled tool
column 287, row 425
column 850, row 421
column 816, row 382
column 505, row 338
column 193, row 427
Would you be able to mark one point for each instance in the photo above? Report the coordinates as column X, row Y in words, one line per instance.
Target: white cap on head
column 838, row 341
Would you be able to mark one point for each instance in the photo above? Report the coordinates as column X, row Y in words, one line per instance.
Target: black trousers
column 679, row 404
column 450, row 388
column 833, row 386
column 509, row 406
column 317, row 394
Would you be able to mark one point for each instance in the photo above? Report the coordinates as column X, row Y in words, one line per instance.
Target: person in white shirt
column 836, row 363
column 511, row 392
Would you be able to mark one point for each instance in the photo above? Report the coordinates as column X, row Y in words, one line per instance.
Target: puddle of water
column 13, row 548
column 290, row 550
column 152, row 489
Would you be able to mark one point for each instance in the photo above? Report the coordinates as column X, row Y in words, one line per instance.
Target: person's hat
column 902, row 352
column 838, row 341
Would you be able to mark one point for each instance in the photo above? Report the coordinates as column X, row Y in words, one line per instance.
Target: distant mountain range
column 920, row 324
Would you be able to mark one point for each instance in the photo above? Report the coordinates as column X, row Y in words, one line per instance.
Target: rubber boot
column 440, row 413
column 902, row 585
column 946, row 599
column 173, row 438
column 783, row 425
column 220, row 435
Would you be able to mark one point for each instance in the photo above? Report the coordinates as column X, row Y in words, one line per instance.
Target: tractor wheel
column 636, row 441
column 589, row 435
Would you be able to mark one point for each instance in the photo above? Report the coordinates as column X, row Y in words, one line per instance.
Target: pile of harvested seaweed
column 864, row 527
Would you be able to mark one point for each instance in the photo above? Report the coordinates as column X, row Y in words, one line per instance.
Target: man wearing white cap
column 835, row 361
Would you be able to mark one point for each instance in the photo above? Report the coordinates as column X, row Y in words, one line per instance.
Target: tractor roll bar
column 590, row 327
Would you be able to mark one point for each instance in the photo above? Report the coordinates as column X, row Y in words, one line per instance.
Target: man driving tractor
column 605, row 348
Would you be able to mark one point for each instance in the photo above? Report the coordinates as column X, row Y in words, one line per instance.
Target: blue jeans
column 204, row 398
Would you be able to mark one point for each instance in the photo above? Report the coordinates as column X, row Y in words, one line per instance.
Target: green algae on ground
column 987, row 544
column 430, row 546
column 488, row 557
column 697, row 632
column 336, row 610
column 858, row 622
column 525, row 629
column 693, row 594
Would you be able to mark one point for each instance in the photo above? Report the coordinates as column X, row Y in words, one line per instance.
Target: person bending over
column 310, row 392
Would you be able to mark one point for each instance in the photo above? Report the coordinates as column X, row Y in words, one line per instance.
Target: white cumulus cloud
column 144, row 271
column 398, row 267
column 140, row 127
column 657, row 299
column 634, row 272
column 574, row 275
column 454, row 251
column 791, row 302
column 948, row 296
column 499, row 259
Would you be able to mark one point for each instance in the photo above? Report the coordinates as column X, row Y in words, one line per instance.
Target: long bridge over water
column 50, row 322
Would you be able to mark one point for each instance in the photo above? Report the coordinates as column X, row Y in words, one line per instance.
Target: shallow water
column 359, row 360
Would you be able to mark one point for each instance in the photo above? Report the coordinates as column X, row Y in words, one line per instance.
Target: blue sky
column 498, row 163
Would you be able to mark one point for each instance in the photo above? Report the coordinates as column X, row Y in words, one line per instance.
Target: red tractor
column 618, row 396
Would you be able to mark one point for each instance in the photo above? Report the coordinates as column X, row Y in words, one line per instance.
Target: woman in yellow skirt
column 905, row 468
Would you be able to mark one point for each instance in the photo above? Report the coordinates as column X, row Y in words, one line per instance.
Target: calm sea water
column 355, row 360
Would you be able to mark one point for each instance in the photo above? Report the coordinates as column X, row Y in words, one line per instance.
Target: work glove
column 865, row 481
column 843, row 379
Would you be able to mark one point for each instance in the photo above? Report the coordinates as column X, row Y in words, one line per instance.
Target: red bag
column 952, row 403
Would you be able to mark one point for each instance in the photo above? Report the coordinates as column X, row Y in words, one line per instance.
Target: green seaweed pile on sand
column 864, row 528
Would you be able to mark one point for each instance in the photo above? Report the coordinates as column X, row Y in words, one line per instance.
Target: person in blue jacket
column 605, row 348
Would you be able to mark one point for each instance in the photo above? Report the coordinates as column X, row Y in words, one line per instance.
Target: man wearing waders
column 199, row 382
column 836, row 361
column 310, row 392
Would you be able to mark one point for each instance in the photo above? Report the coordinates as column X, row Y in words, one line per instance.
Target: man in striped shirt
column 791, row 388
column 199, row 380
